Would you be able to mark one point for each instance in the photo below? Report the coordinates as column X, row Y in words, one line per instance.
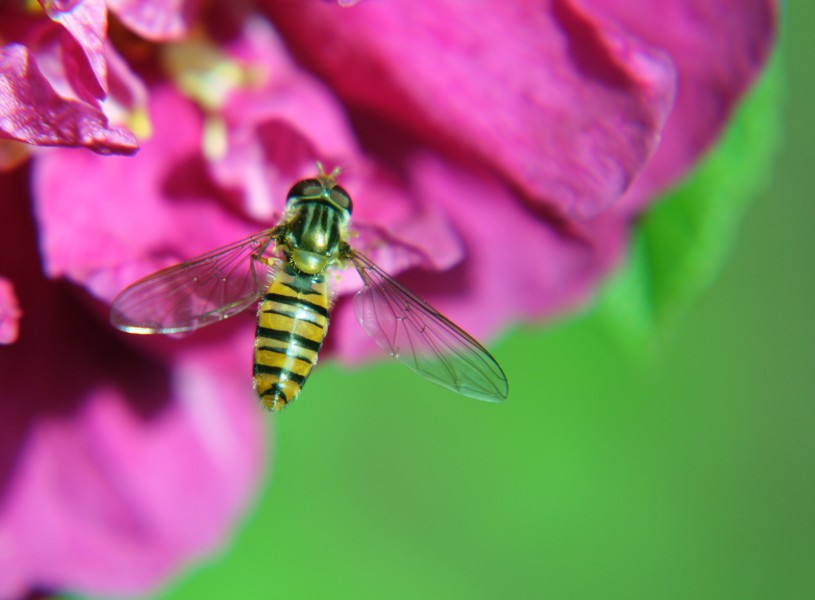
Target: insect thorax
column 315, row 230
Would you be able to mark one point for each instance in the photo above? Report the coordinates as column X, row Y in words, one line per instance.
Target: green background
column 605, row 475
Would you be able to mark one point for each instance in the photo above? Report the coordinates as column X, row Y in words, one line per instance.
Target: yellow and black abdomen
column 292, row 322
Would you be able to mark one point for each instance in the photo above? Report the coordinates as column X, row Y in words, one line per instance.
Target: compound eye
column 342, row 198
column 306, row 188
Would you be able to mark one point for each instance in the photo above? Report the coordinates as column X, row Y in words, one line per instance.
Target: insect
column 284, row 269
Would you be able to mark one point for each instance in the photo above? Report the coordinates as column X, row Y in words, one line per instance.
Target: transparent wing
column 201, row 291
column 418, row 336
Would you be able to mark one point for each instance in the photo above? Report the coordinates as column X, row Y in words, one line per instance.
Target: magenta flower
column 477, row 138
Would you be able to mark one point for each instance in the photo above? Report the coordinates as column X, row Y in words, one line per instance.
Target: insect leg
column 275, row 237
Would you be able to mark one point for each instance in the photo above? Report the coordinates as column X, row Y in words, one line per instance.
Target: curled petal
column 32, row 112
column 127, row 99
column 159, row 20
column 717, row 49
column 86, row 22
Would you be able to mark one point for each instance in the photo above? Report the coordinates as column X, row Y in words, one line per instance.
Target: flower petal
column 107, row 502
column 10, row 313
column 126, row 101
column 275, row 125
column 31, row 111
column 117, row 466
column 86, row 22
column 516, row 267
column 158, row 20
column 158, row 207
column 565, row 109
column 717, row 48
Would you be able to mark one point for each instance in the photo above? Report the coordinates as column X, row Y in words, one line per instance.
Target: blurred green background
column 603, row 476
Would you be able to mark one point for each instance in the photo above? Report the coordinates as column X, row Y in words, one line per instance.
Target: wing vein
column 421, row 338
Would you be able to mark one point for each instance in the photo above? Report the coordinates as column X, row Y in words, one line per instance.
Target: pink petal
column 275, row 132
column 568, row 111
column 143, row 193
column 158, row 207
column 277, row 128
column 717, row 48
column 128, row 93
column 107, row 502
column 10, row 313
column 116, row 466
column 158, row 20
column 86, row 22
column 544, row 266
column 32, row 112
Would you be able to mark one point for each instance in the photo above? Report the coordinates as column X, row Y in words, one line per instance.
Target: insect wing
column 201, row 291
column 418, row 336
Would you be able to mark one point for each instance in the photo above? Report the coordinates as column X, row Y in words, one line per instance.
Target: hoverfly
column 284, row 269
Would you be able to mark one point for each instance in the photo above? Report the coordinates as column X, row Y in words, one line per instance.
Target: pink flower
column 506, row 146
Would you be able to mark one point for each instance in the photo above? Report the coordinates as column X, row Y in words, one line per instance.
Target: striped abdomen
column 292, row 321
